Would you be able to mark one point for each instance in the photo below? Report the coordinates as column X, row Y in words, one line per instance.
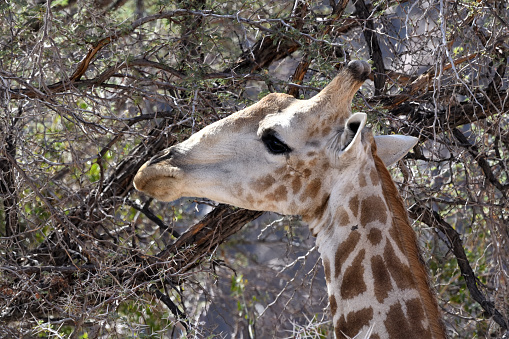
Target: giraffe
column 316, row 159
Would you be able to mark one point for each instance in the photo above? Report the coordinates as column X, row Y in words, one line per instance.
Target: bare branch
column 433, row 219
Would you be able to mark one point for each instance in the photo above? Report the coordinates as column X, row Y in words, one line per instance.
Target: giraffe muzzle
column 359, row 69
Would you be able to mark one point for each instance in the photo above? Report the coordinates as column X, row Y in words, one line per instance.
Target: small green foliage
column 458, row 50
column 94, row 172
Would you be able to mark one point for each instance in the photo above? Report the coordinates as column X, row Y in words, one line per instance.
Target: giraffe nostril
column 164, row 155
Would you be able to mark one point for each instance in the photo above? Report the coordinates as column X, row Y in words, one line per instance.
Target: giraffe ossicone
column 316, row 159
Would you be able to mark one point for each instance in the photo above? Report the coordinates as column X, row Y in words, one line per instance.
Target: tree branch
column 8, row 178
column 298, row 75
column 374, row 47
column 172, row 307
column 422, row 83
column 433, row 219
column 481, row 161
column 205, row 236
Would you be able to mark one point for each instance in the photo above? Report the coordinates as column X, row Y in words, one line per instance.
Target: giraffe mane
column 408, row 239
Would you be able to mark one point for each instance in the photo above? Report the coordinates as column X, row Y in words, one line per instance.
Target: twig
column 172, row 307
column 149, row 214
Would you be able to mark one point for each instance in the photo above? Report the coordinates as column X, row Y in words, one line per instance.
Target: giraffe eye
column 274, row 145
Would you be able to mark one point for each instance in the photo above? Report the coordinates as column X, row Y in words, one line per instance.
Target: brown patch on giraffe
column 325, row 166
column 374, row 336
column 326, row 269
column 342, row 216
column 397, row 324
column 375, row 236
column 414, row 311
column 239, row 191
column 393, row 231
column 373, row 208
column 279, row 194
column 250, row 198
column 311, row 154
column 326, row 131
column 353, row 280
column 313, row 131
column 281, row 170
column 362, row 180
column 311, row 190
column 296, row 185
column 286, row 177
column 263, row 184
column 382, row 280
column 403, row 326
column 352, row 324
column 373, row 175
column 318, row 213
column 306, row 173
column 312, row 163
column 344, row 250
column 353, row 204
column 399, row 271
column 333, row 305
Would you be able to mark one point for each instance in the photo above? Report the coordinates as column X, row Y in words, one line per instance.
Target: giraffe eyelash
column 273, row 144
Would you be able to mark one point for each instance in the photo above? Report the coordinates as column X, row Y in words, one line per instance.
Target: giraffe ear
column 352, row 134
column 349, row 140
column 391, row 148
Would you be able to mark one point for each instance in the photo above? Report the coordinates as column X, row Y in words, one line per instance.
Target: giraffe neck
column 377, row 283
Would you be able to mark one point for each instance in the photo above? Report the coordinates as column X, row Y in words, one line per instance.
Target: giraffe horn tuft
column 335, row 99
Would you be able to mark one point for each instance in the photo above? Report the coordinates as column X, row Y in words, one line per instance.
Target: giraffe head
column 281, row 154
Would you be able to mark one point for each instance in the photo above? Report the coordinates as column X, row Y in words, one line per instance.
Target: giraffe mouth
column 160, row 182
column 163, row 156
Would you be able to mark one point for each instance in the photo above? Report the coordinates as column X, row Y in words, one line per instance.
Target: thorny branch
column 266, row 46
column 82, row 238
column 433, row 219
